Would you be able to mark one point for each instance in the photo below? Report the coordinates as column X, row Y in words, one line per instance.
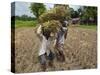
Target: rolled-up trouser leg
column 42, row 60
column 60, row 52
column 50, row 58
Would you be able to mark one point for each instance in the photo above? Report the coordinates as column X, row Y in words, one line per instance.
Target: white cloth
column 42, row 49
column 66, row 22
column 49, row 45
column 43, row 46
column 61, row 40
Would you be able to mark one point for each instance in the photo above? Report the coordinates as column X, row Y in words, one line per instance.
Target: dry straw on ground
column 80, row 50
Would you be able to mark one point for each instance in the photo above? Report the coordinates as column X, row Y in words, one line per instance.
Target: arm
column 39, row 32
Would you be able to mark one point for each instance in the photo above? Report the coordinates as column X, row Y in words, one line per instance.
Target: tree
column 89, row 13
column 80, row 11
column 73, row 13
column 37, row 9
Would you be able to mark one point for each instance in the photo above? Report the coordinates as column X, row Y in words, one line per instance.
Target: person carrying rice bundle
column 47, row 32
column 59, row 42
column 52, row 32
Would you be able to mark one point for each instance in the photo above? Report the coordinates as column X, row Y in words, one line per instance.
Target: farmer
column 45, row 51
column 59, row 45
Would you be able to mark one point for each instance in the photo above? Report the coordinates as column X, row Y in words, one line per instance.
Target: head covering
column 65, row 23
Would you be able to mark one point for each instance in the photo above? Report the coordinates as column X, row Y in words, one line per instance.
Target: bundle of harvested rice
column 57, row 13
column 52, row 25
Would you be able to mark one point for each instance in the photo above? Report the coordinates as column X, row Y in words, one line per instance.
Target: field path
column 80, row 50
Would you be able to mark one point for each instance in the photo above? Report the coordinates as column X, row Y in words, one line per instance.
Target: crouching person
column 45, row 52
column 59, row 46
